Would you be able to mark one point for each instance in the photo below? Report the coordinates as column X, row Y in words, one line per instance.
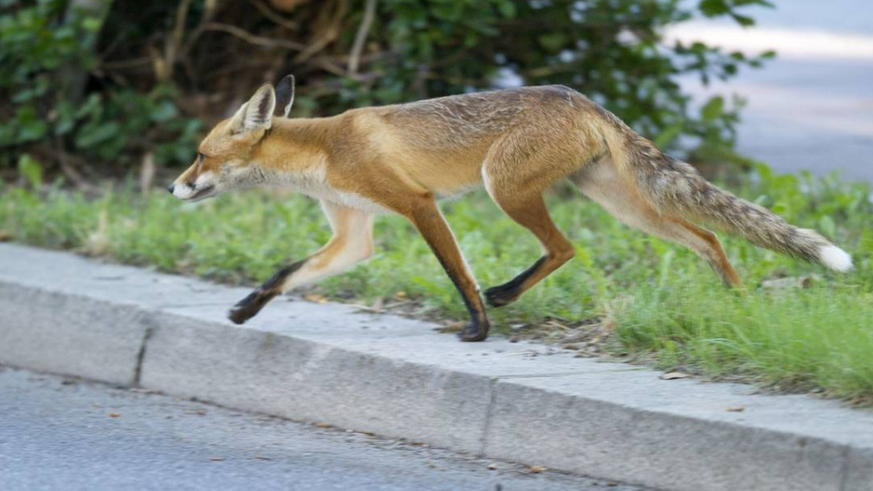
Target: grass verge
column 655, row 300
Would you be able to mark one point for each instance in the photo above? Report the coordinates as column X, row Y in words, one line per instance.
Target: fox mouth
column 202, row 193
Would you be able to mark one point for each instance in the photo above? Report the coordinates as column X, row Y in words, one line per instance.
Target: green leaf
column 31, row 170
column 31, row 129
column 553, row 41
column 712, row 8
column 93, row 135
column 447, row 11
column 827, row 226
column 743, row 20
column 507, row 9
column 166, row 110
column 669, row 134
column 91, row 24
column 713, row 109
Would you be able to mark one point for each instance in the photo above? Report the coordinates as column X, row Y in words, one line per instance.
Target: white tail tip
column 835, row 258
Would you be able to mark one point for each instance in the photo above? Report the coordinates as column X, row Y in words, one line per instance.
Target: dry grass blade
column 147, row 173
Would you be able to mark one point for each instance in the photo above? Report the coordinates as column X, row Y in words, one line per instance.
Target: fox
column 515, row 143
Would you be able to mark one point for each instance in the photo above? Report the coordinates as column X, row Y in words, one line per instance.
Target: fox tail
column 676, row 187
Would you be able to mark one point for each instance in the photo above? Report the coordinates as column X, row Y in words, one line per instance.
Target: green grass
column 665, row 304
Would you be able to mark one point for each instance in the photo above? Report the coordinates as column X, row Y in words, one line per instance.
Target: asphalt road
column 812, row 107
column 58, row 434
column 805, row 115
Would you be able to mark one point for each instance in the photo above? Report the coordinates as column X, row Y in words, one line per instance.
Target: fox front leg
column 352, row 242
column 249, row 307
column 436, row 232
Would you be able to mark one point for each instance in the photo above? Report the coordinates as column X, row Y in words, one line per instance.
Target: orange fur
column 516, row 143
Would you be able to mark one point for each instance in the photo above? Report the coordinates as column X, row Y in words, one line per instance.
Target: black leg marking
column 477, row 329
column 249, row 307
column 436, row 232
column 509, row 292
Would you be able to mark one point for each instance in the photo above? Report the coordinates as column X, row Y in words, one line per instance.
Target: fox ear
column 284, row 96
column 257, row 113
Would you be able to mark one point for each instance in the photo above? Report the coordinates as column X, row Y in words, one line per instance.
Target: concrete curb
column 396, row 377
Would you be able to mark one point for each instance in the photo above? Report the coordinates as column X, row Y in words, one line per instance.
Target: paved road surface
column 61, row 435
column 811, row 108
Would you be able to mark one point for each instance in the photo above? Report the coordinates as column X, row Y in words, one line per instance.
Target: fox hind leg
column 706, row 244
column 529, row 210
column 516, row 171
column 622, row 200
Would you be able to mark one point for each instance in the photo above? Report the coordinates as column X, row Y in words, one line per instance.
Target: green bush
column 41, row 51
column 611, row 50
column 111, row 91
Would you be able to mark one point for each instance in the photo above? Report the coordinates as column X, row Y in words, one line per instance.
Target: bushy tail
column 676, row 187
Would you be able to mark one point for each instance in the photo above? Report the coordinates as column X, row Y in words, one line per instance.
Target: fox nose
column 171, row 187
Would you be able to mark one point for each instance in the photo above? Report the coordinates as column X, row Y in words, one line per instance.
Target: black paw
column 248, row 307
column 239, row 316
column 475, row 331
column 499, row 296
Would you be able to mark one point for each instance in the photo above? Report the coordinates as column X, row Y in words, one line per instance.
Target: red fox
column 402, row 158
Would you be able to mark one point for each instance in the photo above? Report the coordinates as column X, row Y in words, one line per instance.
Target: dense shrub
column 111, row 83
column 41, row 54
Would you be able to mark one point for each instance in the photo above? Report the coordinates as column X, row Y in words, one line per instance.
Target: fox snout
column 202, row 187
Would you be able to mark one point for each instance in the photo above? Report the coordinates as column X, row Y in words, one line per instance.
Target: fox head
column 225, row 158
